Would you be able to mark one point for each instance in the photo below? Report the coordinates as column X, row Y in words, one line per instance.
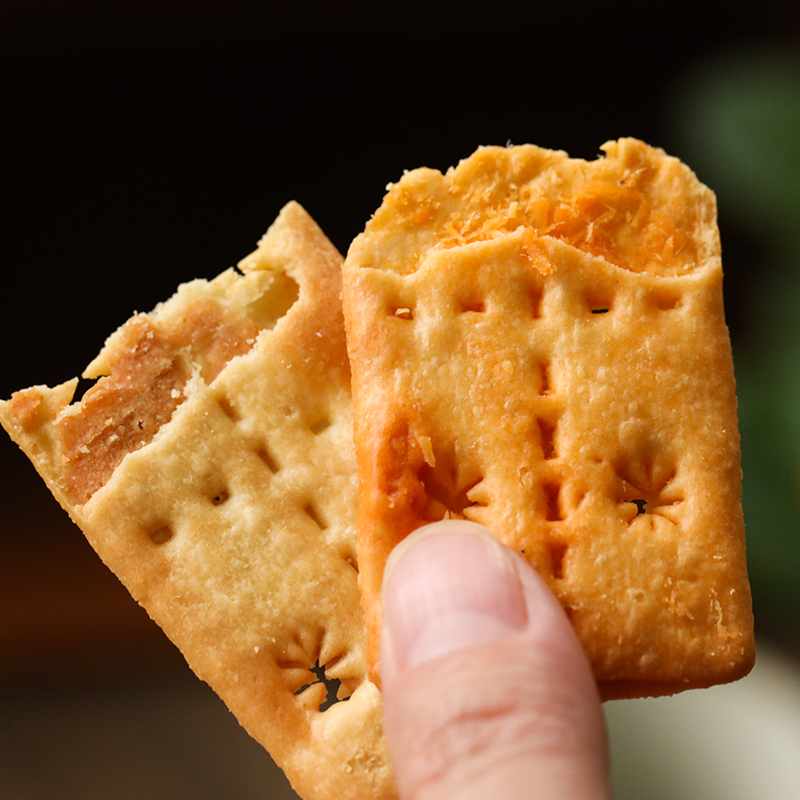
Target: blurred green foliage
column 736, row 120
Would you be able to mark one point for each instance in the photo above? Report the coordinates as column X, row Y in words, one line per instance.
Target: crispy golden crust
column 538, row 344
column 212, row 468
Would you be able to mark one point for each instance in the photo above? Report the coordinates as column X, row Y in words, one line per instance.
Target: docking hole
column 544, row 378
column 666, row 299
column 161, row 535
column 546, row 434
column 599, row 302
column 320, row 426
column 473, row 306
column 535, row 300
column 311, row 512
column 401, row 312
column 228, row 409
column 553, row 506
column 557, row 552
column 446, row 499
column 332, row 685
column 351, row 560
column 268, row 460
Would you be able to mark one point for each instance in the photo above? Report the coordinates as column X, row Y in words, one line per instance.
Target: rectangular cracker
column 538, row 344
column 213, row 471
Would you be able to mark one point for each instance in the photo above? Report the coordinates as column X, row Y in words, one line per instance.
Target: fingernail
column 449, row 586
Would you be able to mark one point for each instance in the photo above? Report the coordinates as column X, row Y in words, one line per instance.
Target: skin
column 487, row 692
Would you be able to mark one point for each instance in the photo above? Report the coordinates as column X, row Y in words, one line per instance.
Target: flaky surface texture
column 213, row 471
column 538, row 344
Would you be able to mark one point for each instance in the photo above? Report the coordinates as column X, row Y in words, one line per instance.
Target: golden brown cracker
column 212, row 468
column 538, row 344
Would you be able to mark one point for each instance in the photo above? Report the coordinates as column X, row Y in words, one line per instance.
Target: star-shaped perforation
column 311, row 675
column 646, row 488
column 448, row 498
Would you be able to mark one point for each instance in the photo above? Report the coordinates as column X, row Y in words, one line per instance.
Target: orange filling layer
column 611, row 220
column 149, row 367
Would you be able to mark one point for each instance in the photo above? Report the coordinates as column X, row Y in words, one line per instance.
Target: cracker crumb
column 427, row 450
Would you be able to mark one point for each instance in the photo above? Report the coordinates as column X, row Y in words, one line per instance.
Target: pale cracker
column 538, row 344
column 214, row 473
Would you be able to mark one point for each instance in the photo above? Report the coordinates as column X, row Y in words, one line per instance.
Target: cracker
column 213, row 471
column 538, row 344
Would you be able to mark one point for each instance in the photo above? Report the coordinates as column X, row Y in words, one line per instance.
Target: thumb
column 487, row 692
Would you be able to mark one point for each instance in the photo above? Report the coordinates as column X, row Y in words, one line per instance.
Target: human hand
column 487, row 692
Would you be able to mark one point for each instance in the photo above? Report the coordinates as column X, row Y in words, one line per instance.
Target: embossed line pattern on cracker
column 538, row 344
column 213, row 471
